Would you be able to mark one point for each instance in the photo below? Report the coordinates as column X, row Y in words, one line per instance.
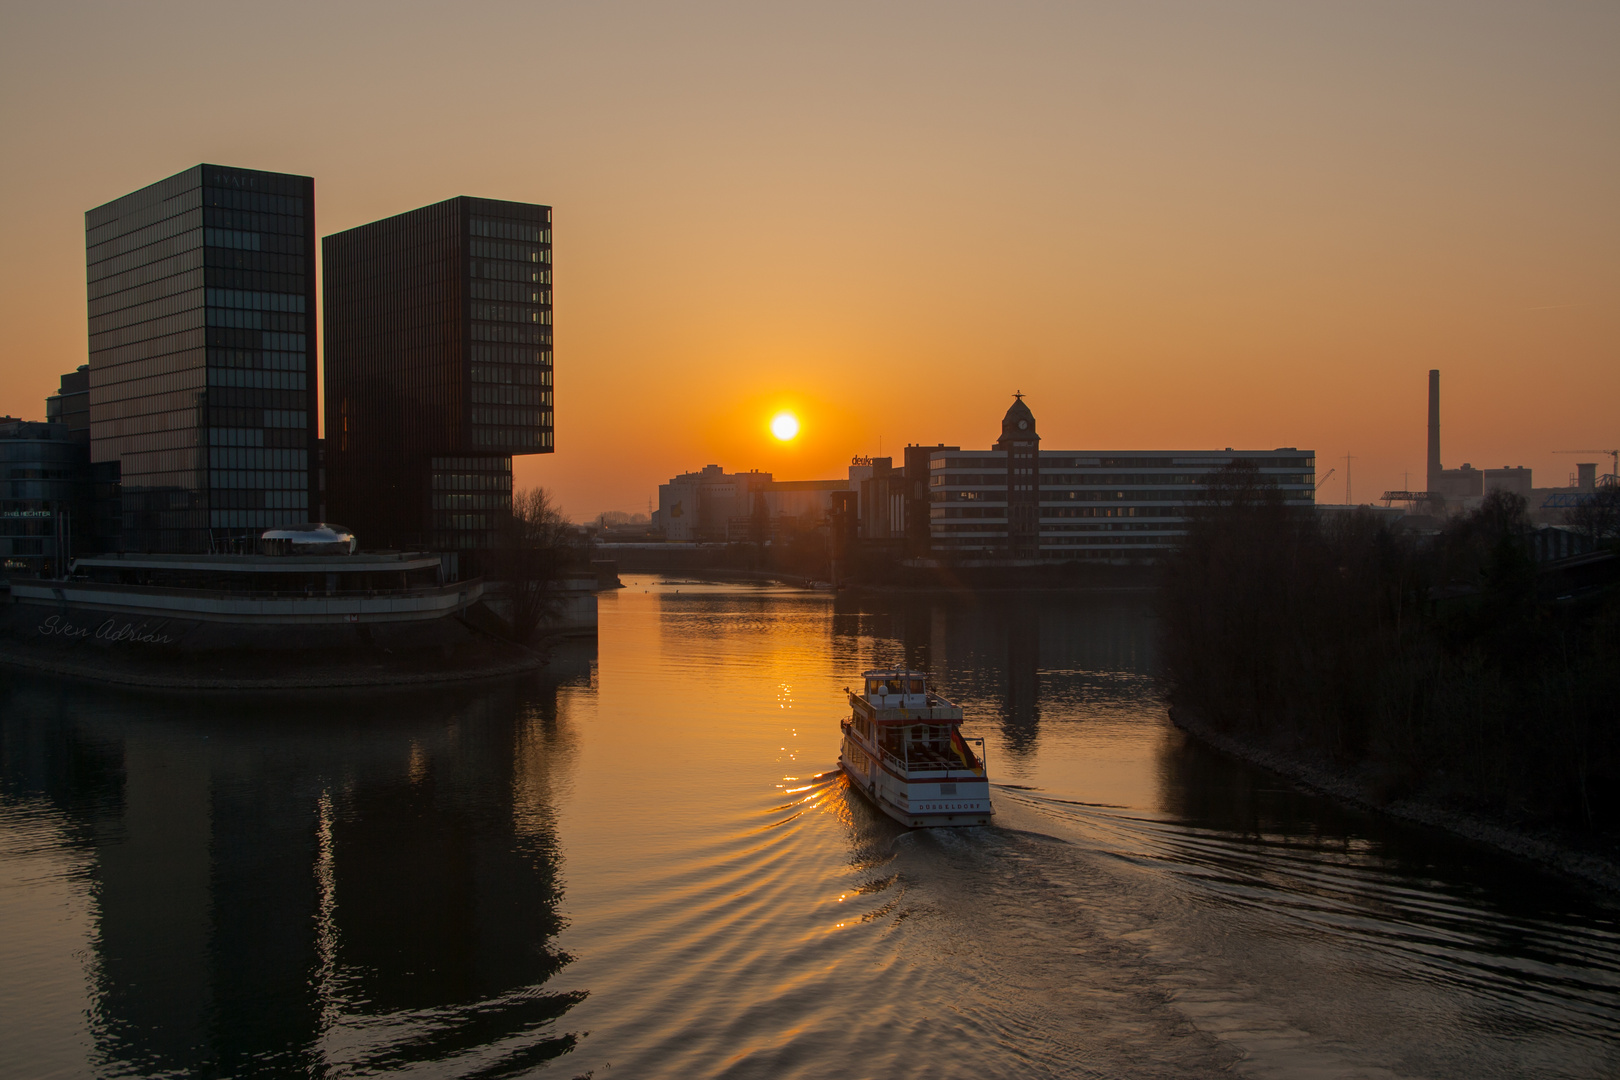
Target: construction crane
column 1325, row 477
column 1614, row 456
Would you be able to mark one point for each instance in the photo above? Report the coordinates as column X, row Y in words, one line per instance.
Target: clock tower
column 1022, row 446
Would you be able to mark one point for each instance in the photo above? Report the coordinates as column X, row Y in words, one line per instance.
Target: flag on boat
column 962, row 748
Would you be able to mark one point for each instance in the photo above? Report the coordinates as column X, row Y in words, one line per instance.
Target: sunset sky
column 1169, row 225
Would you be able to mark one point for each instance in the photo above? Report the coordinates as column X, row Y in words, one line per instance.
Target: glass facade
column 202, row 355
column 44, row 498
column 438, row 369
column 468, row 502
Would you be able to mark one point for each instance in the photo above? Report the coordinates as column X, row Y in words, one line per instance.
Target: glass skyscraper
column 438, row 369
column 201, row 296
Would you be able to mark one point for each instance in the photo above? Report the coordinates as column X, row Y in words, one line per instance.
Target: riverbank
column 1544, row 847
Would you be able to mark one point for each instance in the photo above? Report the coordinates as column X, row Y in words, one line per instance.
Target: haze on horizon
column 1169, row 225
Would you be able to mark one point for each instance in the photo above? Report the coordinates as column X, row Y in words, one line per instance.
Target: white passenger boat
column 903, row 748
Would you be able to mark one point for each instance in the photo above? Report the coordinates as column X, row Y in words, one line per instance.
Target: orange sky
column 1170, row 225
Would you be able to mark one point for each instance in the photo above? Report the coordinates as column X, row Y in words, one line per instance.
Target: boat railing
column 929, row 761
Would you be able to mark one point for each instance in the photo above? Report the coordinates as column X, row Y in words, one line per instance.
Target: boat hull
column 919, row 799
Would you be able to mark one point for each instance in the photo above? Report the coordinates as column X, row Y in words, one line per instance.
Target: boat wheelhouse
column 903, row 748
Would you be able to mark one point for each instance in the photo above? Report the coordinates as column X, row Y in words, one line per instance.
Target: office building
column 70, row 405
column 202, row 355
column 44, row 497
column 1016, row 503
column 438, row 370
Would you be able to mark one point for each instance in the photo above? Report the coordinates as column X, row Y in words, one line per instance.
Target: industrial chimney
column 1434, row 430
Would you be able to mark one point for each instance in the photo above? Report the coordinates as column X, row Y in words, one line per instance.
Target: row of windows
column 290, row 342
column 245, row 457
column 517, row 292
column 509, row 230
column 533, row 335
column 237, row 416
column 256, row 358
column 251, row 221
column 255, row 320
column 1166, row 527
column 257, row 201
column 1167, row 461
column 510, row 395
column 256, row 301
column 258, row 478
column 277, row 255
column 968, row 512
column 239, row 397
column 508, row 354
column 494, row 463
column 228, row 436
column 504, row 271
column 471, row 481
column 263, row 380
column 469, row 501
column 492, row 249
column 238, row 248
column 523, row 438
column 257, row 437
column 504, row 313
column 229, row 277
column 231, row 238
column 494, row 373
column 1093, row 495
column 508, row 417
column 1100, row 479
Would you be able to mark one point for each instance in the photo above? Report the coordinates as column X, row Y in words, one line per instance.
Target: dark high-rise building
column 438, row 369
column 202, row 354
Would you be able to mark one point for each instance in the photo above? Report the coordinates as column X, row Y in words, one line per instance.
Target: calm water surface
column 642, row 864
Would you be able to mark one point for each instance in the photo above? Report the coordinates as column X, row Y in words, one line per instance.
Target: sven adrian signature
column 109, row 631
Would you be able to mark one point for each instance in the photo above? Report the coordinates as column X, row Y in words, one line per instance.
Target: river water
column 642, row 863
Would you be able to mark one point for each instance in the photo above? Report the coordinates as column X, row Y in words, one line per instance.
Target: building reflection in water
column 312, row 884
column 1007, row 657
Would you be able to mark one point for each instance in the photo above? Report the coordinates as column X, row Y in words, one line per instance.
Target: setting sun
column 784, row 426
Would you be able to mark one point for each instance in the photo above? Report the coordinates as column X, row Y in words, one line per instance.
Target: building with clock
column 1017, row 503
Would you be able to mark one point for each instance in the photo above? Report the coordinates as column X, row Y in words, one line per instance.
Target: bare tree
column 1598, row 517
column 538, row 550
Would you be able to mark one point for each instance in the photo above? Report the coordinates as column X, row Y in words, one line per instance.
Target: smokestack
column 1434, row 430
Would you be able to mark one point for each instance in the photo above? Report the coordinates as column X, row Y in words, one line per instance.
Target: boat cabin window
column 898, row 686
